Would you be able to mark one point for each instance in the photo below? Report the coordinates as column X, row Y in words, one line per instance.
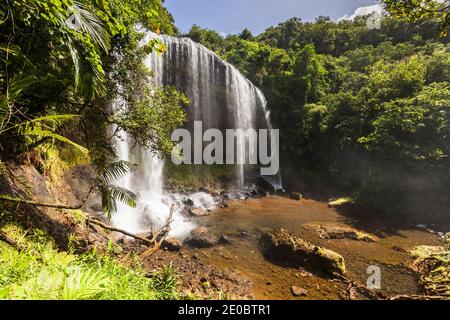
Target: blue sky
column 232, row 16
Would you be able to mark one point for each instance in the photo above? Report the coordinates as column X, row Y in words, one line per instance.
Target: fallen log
column 110, row 228
column 161, row 234
column 4, row 238
column 47, row 205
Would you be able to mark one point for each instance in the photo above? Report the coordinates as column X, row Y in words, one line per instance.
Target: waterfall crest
column 221, row 97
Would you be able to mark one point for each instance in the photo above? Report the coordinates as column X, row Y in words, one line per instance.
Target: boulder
column 264, row 185
column 336, row 231
column 171, row 244
column 296, row 196
column 298, row 292
column 224, row 239
column 280, row 245
column 200, row 238
column 198, row 212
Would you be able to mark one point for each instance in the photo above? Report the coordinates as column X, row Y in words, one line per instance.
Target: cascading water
column 221, row 97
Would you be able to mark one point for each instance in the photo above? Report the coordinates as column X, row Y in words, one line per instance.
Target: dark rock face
column 200, row 238
column 264, row 185
column 171, row 244
column 279, row 245
column 296, row 196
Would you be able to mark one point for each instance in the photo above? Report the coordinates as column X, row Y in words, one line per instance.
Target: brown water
column 244, row 221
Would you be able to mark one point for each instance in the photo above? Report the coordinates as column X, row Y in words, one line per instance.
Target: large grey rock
column 171, row 244
column 201, row 238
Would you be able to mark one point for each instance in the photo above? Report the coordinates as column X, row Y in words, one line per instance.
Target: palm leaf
column 91, row 24
column 116, row 170
column 111, row 194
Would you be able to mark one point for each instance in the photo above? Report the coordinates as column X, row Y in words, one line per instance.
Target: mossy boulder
column 283, row 246
column 341, row 202
column 336, row 231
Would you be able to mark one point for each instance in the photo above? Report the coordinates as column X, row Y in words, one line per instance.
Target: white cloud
column 364, row 11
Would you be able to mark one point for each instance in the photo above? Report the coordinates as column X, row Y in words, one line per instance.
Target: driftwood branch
column 157, row 237
column 161, row 234
column 4, row 238
column 110, row 228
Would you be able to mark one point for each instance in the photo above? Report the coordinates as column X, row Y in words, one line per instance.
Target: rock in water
column 224, row 239
column 198, row 212
column 171, row 244
column 283, row 246
column 200, row 238
column 298, row 292
column 296, row 196
column 341, row 203
column 335, row 231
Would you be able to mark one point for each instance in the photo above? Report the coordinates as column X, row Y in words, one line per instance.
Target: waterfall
column 221, row 97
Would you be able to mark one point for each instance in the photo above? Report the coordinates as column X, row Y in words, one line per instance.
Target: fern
column 45, row 127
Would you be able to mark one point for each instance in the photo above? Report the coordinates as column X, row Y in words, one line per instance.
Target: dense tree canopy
column 363, row 110
column 65, row 63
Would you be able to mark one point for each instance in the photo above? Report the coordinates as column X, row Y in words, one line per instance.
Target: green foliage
column 40, row 272
column 152, row 118
column 112, row 193
column 421, row 9
column 359, row 110
column 55, row 55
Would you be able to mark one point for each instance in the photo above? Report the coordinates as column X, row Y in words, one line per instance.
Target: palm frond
column 76, row 61
column 15, row 88
column 90, row 24
column 115, row 171
column 111, row 194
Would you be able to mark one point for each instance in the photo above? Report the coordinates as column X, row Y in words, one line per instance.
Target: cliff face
column 69, row 188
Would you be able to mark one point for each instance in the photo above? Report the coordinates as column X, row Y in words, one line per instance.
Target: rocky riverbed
column 229, row 262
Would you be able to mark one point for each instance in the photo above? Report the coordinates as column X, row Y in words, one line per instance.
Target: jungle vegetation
column 362, row 111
